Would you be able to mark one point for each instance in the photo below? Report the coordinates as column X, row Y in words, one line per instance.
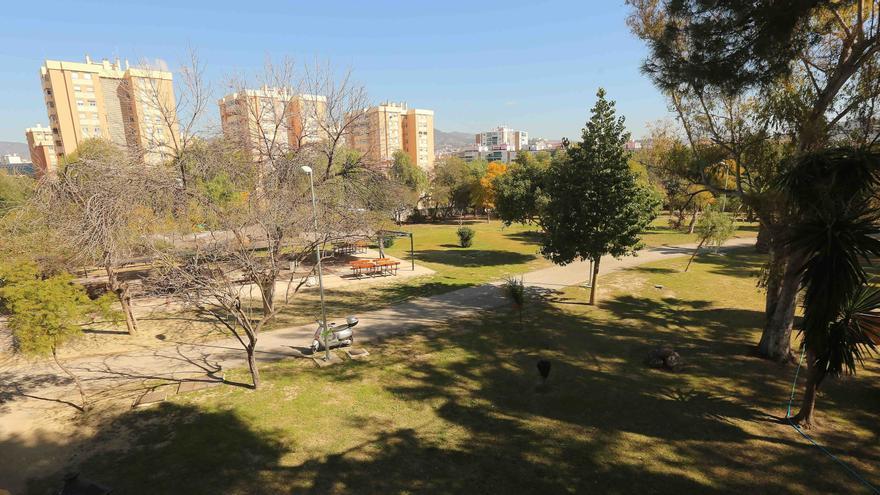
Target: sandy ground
column 40, row 432
column 162, row 320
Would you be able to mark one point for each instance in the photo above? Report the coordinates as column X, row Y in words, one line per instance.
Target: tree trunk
column 680, row 221
column 267, row 290
column 693, row 222
column 762, row 245
column 252, row 364
column 595, row 280
column 695, row 254
column 79, row 386
column 804, row 418
column 780, row 305
column 121, row 291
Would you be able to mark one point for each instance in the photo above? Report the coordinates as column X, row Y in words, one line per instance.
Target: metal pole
column 326, row 331
column 412, row 254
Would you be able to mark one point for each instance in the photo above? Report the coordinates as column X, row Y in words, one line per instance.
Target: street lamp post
column 325, row 329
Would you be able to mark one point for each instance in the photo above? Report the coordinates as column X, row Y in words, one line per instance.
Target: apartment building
column 503, row 136
column 272, row 120
column 504, row 153
column 41, row 145
column 418, row 137
column 389, row 127
column 129, row 106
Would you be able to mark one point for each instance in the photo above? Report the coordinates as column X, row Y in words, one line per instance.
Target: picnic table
column 377, row 266
column 356, row 247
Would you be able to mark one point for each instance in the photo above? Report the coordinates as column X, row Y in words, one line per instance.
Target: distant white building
column 499, row 153
column 514, row 139
column 11, row 159
column 543, row 145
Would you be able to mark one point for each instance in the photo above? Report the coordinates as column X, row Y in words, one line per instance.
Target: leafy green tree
column 837, row 235
column 407, row 173
column 46, row 313
column 714, row 228
column 761, row 81
column 519, row 192
column 456, row 183
column 595, row 205
column 410, row 183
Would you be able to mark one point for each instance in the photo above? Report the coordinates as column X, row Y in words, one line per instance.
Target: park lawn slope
column 458, row 409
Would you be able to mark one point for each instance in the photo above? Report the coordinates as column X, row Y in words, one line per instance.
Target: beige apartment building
column 129, row 106
column 268, row 121
column 41, row 145
column 390, row 127
column 418, row 137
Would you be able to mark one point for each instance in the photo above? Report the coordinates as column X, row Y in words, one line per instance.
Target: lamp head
column 306, row 169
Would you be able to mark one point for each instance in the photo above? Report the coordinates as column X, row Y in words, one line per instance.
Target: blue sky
column 531, row 65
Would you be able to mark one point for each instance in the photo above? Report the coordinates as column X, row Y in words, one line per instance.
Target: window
column 97, row 130
column 93, row 103
column 74, row 75
column 87, row 76
column 80, row 103
column 48, row 91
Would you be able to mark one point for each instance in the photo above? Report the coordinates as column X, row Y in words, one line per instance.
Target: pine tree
column 595, row 205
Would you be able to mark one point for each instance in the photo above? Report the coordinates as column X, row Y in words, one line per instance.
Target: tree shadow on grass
column 740, row 262
column 473, row 258
column 598, row 393
column 526, row 237
column 603, row 424
column 173, row 448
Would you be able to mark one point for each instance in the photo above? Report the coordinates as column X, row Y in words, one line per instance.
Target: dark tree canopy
column 725, row 44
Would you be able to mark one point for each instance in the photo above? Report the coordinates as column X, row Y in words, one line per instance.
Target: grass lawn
column 496, row 251
column 457, row 409
column 659, row 233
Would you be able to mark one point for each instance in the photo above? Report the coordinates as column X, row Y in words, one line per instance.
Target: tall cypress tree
column 595, row 206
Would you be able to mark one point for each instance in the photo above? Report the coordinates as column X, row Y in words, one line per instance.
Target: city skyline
column 542, row 77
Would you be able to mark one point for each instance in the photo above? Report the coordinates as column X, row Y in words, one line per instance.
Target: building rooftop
column 105, row 68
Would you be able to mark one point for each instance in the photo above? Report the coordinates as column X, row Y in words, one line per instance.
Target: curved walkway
column 112, row 375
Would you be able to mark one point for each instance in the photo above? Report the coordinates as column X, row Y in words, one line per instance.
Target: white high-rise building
column 501, row 136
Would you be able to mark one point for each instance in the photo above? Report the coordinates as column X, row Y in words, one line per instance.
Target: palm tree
column 836, row 236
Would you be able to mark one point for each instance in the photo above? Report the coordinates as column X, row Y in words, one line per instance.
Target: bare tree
column 334, row 121
column 258, row 226
column 176, row 113
column 101, row 206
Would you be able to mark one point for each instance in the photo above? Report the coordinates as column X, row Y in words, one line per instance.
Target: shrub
column 466, row 236
column 515, row 290
column 387, row 242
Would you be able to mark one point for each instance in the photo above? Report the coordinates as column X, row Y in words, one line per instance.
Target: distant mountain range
column 450, row 140
column 20, row 149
